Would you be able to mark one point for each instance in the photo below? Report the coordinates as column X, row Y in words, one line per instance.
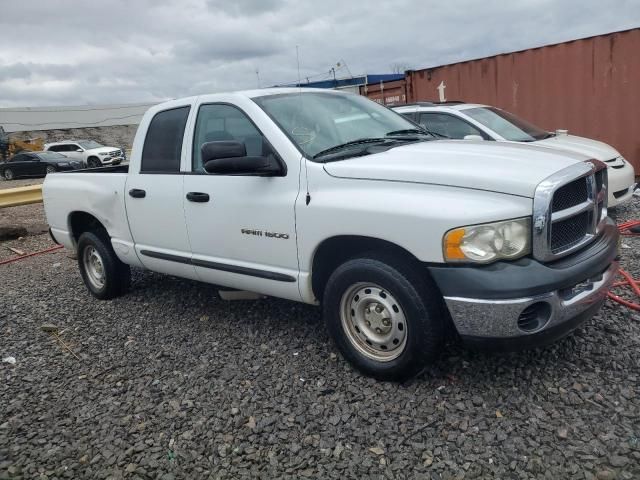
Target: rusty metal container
column 386, row 93
column 590, row 87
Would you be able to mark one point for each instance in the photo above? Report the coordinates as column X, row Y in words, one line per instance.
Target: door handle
column 198, row 197
column 137, row 193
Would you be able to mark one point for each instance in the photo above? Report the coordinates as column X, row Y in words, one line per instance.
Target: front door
column 154, row 197
column 242, row 227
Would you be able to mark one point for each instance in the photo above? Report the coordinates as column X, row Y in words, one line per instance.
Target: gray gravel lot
column 29, row 217
column 173, row 383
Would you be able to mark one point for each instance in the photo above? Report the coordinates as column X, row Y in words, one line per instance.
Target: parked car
column 90, row 153
column 459, row 120
column 36, row 164
column 328, row 198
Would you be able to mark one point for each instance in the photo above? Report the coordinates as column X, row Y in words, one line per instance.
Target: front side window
column 163, row 144
column 507, row 125
column 219, row 122
column 447, row 125
column 319, row 121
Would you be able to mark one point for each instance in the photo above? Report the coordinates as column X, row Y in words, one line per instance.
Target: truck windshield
column 507, row 125
column 323, row 122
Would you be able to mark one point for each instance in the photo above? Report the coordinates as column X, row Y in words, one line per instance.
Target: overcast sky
column 76, row 52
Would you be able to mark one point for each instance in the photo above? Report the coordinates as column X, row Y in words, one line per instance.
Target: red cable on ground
column 15, row 259
column 628, row 229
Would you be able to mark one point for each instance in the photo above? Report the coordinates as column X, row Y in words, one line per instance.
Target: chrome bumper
column 498, row 319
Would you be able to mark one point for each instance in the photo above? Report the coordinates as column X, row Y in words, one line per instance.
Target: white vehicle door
column 154, row 197
column 71, row 151
column 242, row 226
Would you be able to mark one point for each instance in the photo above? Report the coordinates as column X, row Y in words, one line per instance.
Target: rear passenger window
column 163, row 143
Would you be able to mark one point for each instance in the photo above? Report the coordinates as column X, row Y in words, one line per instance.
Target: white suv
column 468, row 121
column 90, row 153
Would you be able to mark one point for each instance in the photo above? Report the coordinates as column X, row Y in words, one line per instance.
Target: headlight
column 104, row 154
column 488, row 242
column 64, row 164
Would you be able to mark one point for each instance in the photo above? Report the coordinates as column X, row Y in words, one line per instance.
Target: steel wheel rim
column 373, row 322
column 94, row 267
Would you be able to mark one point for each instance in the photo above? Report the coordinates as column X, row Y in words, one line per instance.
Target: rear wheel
column 385, row 316
column 8, row 174
column 102, row 271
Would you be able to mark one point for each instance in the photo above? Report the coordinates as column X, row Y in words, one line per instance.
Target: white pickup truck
column 328, row 198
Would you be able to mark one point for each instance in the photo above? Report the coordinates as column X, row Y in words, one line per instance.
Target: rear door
column 19, row 165
column 154, row 196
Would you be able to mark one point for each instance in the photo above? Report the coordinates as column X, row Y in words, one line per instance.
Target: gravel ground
column 30, row 217
column 171, row 382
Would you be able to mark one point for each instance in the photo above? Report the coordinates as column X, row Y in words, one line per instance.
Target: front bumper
column 112, row 161
column 492, row 305
column 621, row 183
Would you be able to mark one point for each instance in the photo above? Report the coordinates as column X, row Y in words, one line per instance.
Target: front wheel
column 93, row 162
column 51, row 169
column 385, row 316
column 102, row 271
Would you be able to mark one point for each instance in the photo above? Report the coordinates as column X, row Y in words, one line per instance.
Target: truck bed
column 123, row 168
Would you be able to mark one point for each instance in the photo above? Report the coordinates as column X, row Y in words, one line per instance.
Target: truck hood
column 103, row 150
column 513, row 169
column 585, row 146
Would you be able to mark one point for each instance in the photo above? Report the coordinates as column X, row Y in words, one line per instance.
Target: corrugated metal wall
column 590, row 87
column 386, row 93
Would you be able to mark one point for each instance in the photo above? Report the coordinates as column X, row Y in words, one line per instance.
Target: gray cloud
column 149, row 50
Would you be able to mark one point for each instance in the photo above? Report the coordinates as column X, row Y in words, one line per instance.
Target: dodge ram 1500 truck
column 329, row 198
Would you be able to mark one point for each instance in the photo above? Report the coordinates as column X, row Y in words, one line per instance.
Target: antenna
column 258, row 77
column 302, row 157
column 344, row 64
column 298, row 62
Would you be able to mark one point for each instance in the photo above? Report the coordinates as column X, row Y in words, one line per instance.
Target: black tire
column 421, row 306
column 117, row 275
column 93, row 162
column 8, row 174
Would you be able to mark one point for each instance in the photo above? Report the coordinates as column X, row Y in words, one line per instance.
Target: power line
column 67, row 123
column 62, row 109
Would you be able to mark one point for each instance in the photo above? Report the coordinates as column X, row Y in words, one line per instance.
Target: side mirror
column 230, row 157
column 473, row 137
column 79, row 150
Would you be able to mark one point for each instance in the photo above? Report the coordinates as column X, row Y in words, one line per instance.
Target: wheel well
column 92, row 157
column 336, row 250
column 80, row 222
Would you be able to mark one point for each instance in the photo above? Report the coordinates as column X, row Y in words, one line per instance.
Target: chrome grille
column 570, row 195
column 568, row 208
column 567, row 233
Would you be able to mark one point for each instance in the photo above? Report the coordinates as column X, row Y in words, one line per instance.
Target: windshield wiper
column 360, row 141
column 419, row 131
column 545, row 136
